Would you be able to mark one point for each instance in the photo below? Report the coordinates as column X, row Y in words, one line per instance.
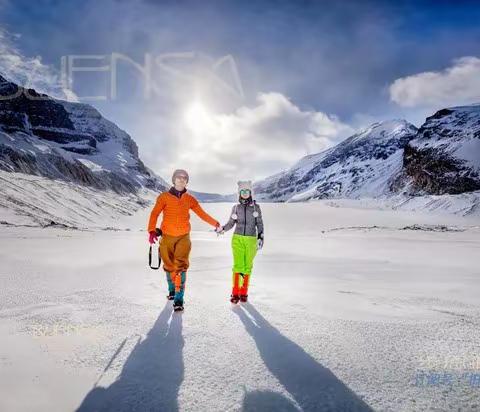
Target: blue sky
column 311, row 72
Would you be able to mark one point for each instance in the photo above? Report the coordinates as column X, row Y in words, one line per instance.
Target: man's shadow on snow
column 152, row 374
column 313, row 386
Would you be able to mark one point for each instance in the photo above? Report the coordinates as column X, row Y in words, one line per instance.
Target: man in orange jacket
column 175, row 244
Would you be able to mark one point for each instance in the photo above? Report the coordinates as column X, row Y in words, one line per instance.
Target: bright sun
column 198, row 118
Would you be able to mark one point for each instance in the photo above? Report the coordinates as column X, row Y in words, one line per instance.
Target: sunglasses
column 183, row 177
column 245, row 191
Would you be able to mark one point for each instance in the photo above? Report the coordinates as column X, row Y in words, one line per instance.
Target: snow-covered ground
column 464, row 204
column 351, row 309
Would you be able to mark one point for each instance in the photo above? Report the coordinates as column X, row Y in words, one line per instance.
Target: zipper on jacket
column 179, row 205
column 245, row 219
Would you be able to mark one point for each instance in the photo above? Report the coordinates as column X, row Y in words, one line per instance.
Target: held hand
column 219, row 230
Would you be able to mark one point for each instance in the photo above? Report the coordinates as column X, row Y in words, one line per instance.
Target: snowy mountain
column 391, row 159
column 68, row 141
column 361, row 166
column 444, row 157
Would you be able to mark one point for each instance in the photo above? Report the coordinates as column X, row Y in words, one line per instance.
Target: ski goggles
column 183, row 177
column 245, row 191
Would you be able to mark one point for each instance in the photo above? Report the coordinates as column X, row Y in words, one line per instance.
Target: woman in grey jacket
column 246, row 216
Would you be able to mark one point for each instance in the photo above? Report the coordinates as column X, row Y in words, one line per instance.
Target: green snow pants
column 244, row 249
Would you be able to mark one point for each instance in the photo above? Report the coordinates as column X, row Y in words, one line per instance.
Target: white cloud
column 29, row 72
column 456, row 85
column 252, row 142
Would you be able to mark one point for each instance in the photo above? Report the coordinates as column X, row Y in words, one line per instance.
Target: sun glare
column 198, row 118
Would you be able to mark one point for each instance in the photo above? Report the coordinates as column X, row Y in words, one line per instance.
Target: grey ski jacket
column 247, row 219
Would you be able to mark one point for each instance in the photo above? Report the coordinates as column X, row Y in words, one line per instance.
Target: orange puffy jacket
column 176, row 214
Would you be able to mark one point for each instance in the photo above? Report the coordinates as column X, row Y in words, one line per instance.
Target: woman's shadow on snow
column 313, row 386
column 259, row 401
column 152, row 374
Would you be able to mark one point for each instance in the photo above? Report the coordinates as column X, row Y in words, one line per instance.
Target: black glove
column 260, row 241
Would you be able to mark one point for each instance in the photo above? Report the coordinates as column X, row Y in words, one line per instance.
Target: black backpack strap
column 150, row 259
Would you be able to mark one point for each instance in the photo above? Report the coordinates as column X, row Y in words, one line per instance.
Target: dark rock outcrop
column 444, row 157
